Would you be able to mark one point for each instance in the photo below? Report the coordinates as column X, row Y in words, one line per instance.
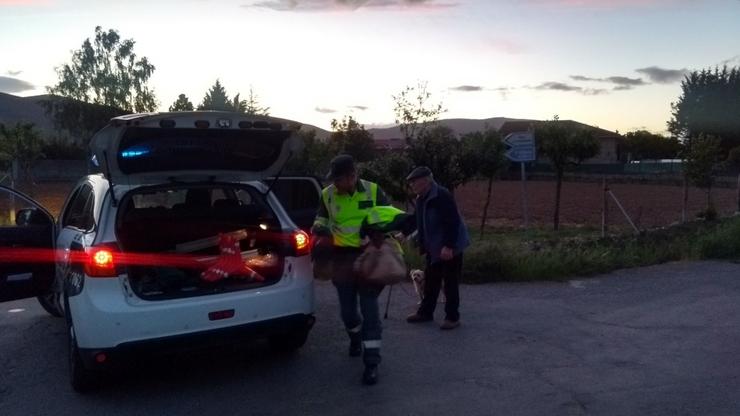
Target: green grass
column 541, row 254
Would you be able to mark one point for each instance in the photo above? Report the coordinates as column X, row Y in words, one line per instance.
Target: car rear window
column 146, row 149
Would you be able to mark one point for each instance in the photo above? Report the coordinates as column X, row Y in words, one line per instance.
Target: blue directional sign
column 521, row 146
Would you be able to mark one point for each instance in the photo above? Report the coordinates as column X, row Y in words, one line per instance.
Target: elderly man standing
column 442, row 237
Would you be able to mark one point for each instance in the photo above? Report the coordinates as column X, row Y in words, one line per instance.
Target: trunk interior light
column 263, row 226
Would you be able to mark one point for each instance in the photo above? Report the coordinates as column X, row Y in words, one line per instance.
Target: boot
column 370, row 375
column 355, row 344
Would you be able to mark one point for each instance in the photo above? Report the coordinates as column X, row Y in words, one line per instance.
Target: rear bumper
column 106, row 314
column 123, row 353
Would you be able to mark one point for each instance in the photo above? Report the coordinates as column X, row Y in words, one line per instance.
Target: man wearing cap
column 345, row 205
column 442, row 237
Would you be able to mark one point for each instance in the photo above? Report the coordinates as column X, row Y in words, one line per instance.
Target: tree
column 709, row 104
column 350, row 137
column 20, row 147
column 60, row 149
column 564, row 145
column 238, row 105
column 483, row 154
column 216, row 99
column 314, row 158
column 389, row 172
column 414, row 113
column 104, row 79
column 252, row 106
column 733, row 160
column 182, row 104
column 702, row 163
column 642, row 144
column 439, row 149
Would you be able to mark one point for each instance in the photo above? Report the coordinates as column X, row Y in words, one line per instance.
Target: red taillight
column 301, row 243
column 101, row 262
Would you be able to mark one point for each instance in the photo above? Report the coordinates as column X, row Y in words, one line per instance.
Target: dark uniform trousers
column 364, row 323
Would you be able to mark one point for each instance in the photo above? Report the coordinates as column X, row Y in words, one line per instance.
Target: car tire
column 82, row 379
column 290, row 341
column 51, row 302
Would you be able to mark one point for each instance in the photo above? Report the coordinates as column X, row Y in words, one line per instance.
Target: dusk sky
column 614, row 64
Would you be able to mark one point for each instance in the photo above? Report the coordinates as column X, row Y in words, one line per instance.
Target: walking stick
column 388, row 302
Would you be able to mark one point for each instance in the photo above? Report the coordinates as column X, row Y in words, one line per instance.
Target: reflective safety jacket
column 343, row 214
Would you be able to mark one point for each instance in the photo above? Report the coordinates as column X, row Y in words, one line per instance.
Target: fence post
column 604, row 209
column 685, row 198
column 738, row 194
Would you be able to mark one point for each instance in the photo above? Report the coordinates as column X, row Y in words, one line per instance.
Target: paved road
column 662, row 340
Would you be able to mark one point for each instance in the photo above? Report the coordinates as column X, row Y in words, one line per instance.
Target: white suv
column 143, row 253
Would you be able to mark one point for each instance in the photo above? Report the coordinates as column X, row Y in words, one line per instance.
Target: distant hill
column 28, row 109
column 15, row 109
column 459, row 125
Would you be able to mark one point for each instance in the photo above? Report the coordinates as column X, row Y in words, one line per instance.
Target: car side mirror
column 30, row 216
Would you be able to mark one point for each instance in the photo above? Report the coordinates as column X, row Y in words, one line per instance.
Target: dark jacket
column 439, row 223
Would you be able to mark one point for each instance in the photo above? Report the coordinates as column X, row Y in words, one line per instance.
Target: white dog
column 418, row 279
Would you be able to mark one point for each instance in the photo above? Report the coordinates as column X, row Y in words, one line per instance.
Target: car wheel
column 289, row 342
column 51, row 302
column 82, row 379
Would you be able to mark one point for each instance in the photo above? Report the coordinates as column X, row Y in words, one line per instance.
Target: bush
column 723, row 243
column 514, row 256
column 59, row 149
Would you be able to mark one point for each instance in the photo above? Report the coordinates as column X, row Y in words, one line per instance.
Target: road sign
column 521, row 146
column 520, row 154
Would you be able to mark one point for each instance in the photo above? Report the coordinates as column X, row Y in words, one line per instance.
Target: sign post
column 522, row 149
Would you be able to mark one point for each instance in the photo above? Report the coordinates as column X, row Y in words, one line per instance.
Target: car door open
column 26, row 246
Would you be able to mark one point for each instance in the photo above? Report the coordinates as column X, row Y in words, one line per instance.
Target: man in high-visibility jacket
column 345, row 205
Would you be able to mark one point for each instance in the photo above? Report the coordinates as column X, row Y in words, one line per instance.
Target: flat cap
column 419, row 172
column 340, row 166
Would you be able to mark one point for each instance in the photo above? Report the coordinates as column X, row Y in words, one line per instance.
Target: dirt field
column 648, row 205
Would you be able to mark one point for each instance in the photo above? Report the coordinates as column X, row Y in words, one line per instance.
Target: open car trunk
column 178, row 231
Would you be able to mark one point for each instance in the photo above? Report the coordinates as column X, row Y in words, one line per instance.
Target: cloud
column 662, row 75
column 324, row 110
column 595, row 91
column 557, row 86
column 467, row 88
column 583, row 78
column 14, row 73
column 358, row 107
column 12, row 85
column 561, row 86
column 347, row 5
column 622, row 83
column 626, row 82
